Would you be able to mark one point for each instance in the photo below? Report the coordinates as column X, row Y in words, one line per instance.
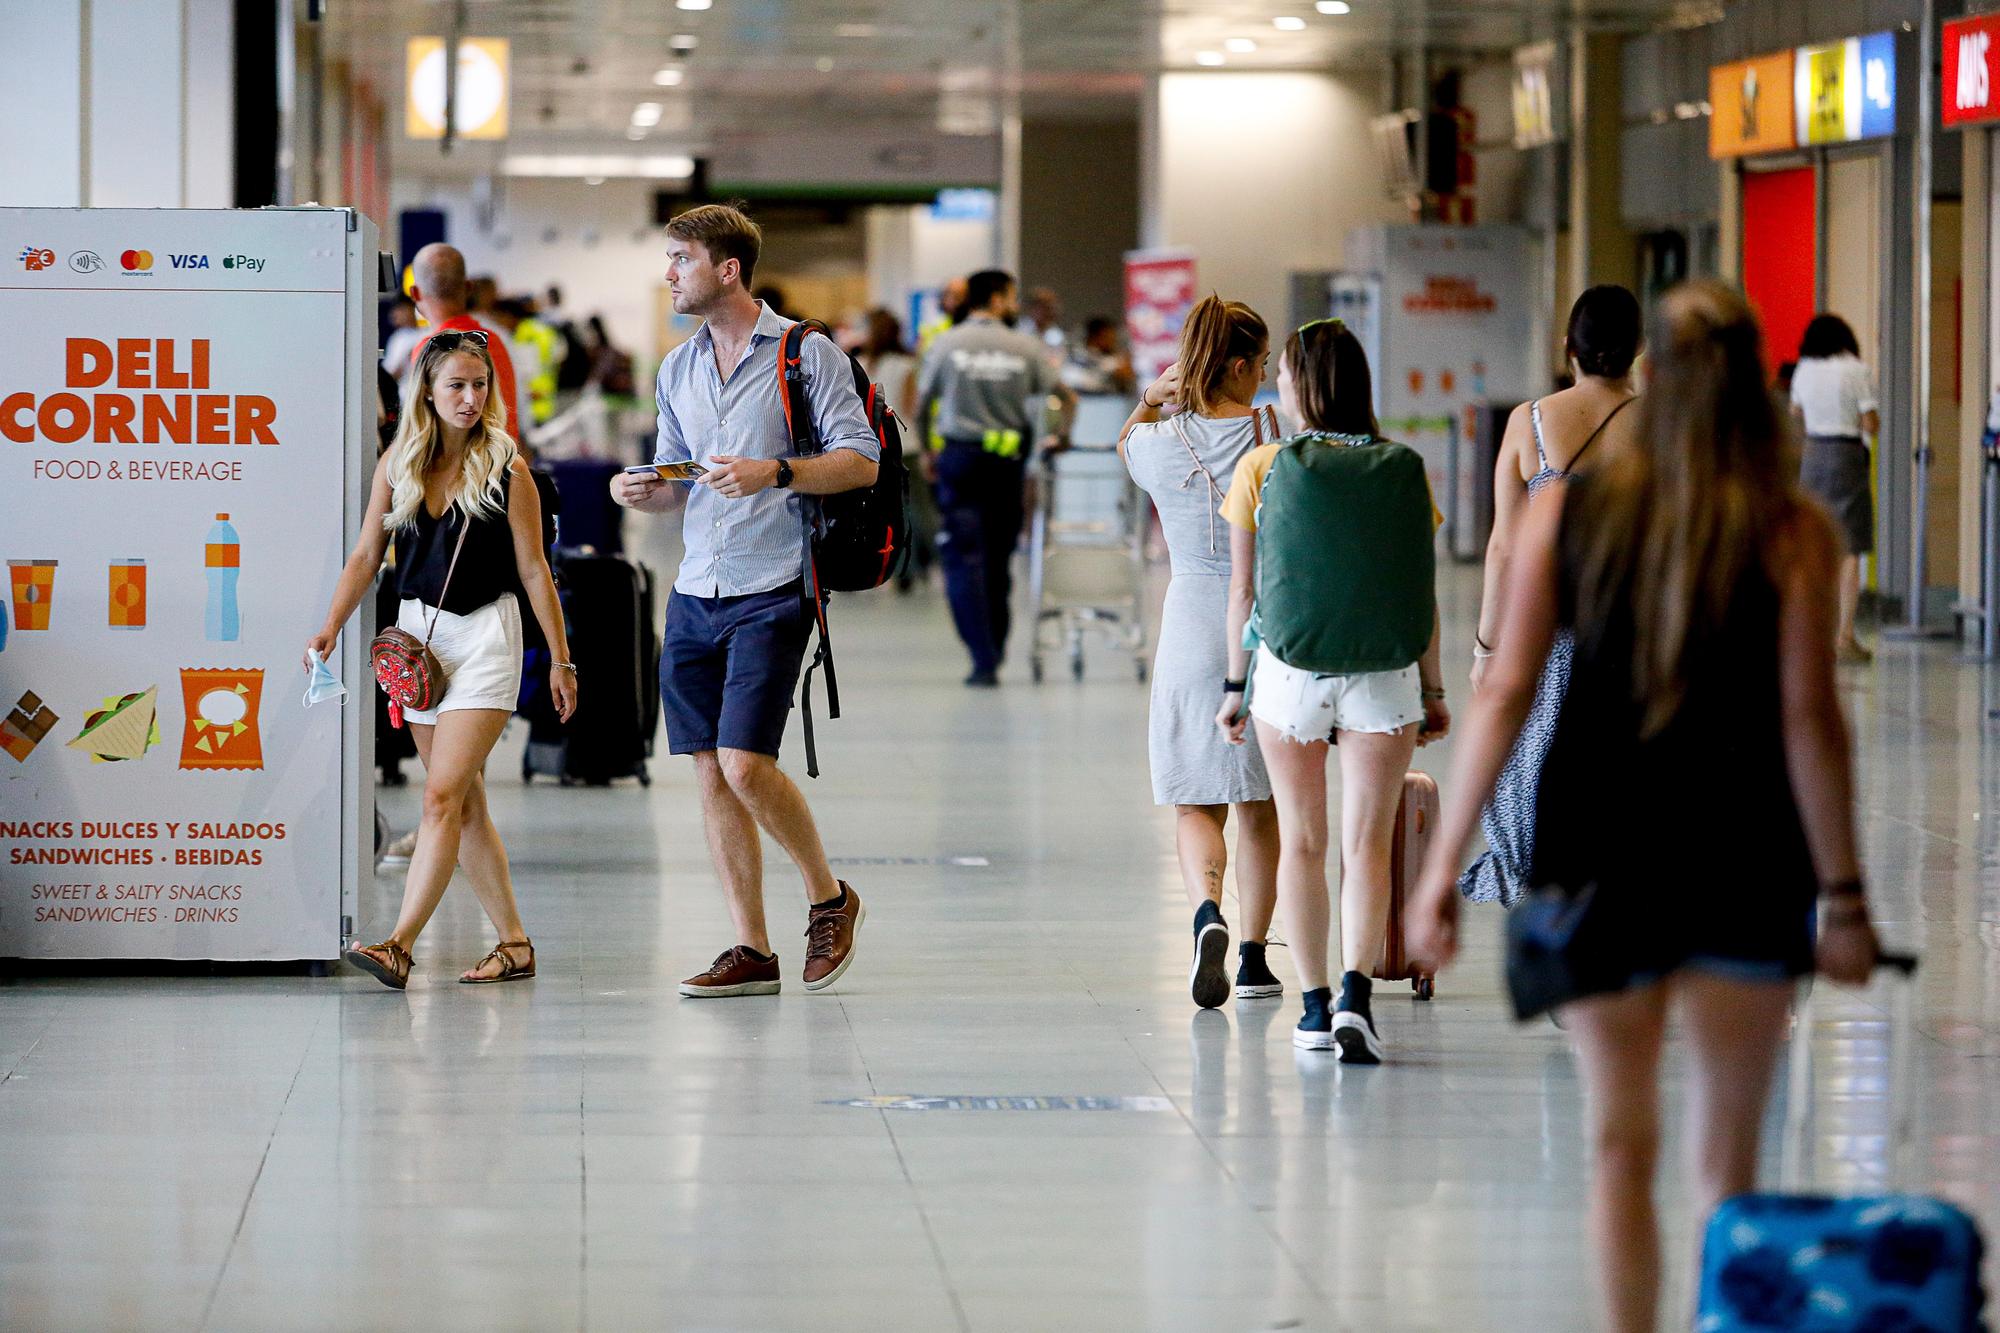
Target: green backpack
column 1346, row 562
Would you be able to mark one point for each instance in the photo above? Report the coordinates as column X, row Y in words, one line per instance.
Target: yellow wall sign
column 481, row 110
column 1752, row 107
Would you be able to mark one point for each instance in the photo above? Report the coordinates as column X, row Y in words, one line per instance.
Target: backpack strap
column 804, row 439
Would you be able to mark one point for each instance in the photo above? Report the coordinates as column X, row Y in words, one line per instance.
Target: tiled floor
column 589, row 1151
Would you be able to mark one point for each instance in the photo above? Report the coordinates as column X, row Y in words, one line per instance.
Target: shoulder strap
column 792, row 388
column 1535, row 420
column 1608, row 417
column 1258, row 416
column 464, row 526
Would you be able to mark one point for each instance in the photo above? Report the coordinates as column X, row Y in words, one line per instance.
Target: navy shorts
column 728, row 666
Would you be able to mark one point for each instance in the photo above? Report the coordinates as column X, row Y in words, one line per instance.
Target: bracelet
column 1481, row 653
column 1430, row 695
column 563, row 666
column 1234, row 686
column 1481, row 643
column 1844, row 888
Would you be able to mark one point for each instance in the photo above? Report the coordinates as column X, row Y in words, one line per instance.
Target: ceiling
column 909, row 67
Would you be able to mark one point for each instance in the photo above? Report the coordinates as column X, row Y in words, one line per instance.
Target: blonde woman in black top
column 453, row 485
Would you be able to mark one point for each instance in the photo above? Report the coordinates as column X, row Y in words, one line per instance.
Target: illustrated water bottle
column 223, row 559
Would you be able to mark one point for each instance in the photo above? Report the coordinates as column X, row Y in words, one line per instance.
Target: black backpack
column 858, row 539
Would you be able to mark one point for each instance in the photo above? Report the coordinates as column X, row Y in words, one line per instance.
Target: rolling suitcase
column 589, row 516
column 1416, row 821
column 1821, row 1263
column 608, row 603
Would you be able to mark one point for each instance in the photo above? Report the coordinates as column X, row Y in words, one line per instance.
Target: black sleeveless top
column 486, row 569
column 1692, row 833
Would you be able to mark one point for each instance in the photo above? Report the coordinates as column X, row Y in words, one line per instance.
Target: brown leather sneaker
column 735, row 971
column 830, row 933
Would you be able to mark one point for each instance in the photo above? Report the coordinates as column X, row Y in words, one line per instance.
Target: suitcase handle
column 1796, row 1154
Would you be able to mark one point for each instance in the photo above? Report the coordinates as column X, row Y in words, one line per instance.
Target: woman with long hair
column 1697, row 796
column 1546, row 441
column 1186, row 464
column 1376, row 717
column 1833, row 396
column 454, row 493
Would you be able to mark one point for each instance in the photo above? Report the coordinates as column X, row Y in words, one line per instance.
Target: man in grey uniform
column 988, row 386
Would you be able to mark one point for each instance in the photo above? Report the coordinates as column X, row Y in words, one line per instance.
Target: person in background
column 1100, row 364
column 508, row 316
column 894, row 372
column 442, row 293
column 574, row 371
column 773, row 297
column 1545, row 441
column 1376, row 719
column 537, row 339
column 1697, row 580
column 454, row 494
column 951, row 313
column 1833, row 395
column 404, row 335
column 1186, row 464
column 990, row 386
column 1041, row 319
column 610, row 364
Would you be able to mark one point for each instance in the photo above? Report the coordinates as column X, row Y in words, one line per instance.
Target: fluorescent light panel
column 669, row 77
column 608, row 165
column 1208, row 58
column 1289, row 23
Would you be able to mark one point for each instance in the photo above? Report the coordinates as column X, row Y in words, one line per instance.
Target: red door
column 1779, row 255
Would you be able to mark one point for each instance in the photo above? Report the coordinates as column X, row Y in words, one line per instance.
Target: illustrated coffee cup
column 34, row 584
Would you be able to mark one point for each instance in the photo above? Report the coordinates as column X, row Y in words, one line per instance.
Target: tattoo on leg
column 1211, row 876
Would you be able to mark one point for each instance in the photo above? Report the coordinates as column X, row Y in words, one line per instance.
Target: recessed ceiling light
column 693, row 4
column 683, row 41
column 1289, row 23
column 635, row 134
column 824, row 64
column 1334, row 7
column 669, row 77
column 646, row 114
column 1208, row 57
column 856, row 30
column 1242, row 46
column 593, row 180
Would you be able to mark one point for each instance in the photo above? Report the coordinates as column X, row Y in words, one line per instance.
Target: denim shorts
column 728, row 666
column 1308, row 707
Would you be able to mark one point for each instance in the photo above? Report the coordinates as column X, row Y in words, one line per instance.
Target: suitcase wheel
column 1425, row 987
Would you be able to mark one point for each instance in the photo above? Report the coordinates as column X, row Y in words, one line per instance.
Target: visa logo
column 189, row 261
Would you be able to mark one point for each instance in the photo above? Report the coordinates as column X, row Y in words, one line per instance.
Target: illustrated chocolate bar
column 24, row 728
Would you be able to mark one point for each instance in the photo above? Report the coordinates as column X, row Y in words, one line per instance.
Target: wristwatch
column 784, row 475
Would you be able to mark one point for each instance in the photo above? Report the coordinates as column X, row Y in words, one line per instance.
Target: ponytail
column 1216, row 333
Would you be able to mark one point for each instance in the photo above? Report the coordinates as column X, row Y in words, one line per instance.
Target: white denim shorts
column 1308, row 707
column 480, row 653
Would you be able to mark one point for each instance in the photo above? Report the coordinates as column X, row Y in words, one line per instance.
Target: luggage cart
column 1087, row 557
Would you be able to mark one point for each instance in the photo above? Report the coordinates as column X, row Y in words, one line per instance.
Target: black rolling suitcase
column 608, row 603
column 590, row 517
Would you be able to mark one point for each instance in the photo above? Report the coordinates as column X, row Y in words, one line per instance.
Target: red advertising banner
column 1966, row 92
column 1159, row 293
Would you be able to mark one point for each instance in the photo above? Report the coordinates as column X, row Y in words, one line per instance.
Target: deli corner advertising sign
column 1969, row 51
column 1751, row 102
column 1840, row 92
column 177, row 451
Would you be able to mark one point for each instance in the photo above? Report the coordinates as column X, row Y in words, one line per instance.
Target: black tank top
column 486, row 570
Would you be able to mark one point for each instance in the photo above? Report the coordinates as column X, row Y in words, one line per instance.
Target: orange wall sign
column 1752, row 101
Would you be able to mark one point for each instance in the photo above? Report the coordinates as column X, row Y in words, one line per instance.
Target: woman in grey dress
column 1185, row 463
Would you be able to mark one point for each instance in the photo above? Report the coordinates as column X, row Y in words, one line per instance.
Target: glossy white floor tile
column 589, row 1151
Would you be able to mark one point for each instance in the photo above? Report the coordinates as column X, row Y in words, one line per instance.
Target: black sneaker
column 1208, row 982
column 1354, row 1025
column 983, row 680
column 1254, row 978
column 1315, row 1030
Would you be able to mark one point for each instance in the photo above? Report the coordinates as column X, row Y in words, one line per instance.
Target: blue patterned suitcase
column 1807, row 1263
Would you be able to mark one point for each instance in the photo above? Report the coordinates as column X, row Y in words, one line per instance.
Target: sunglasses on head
column 452, row 338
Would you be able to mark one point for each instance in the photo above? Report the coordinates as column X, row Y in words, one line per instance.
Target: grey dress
column 1192, row 763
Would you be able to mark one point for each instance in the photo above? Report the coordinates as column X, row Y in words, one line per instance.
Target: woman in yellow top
column 1378, row 719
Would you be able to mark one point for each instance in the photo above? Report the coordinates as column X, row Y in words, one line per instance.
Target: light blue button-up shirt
column 756, row 543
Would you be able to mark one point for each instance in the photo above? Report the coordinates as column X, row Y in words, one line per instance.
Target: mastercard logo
column 136, row 261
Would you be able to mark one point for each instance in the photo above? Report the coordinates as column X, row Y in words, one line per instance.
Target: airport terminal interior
column 1010, row 1107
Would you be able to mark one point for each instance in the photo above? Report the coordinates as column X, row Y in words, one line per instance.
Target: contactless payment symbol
column 125, row 728
column 222, row 722
column 23, row 728
column 86, row 261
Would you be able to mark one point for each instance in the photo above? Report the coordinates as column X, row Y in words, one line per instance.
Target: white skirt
column 480, row 653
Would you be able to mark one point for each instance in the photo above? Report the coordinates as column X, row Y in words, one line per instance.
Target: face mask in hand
column 323, row 684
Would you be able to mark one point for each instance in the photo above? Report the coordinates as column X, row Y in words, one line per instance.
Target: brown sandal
column 509, row 969
column 392, row 968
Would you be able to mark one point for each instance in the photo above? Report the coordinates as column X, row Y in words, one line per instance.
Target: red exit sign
column 1971, row 46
